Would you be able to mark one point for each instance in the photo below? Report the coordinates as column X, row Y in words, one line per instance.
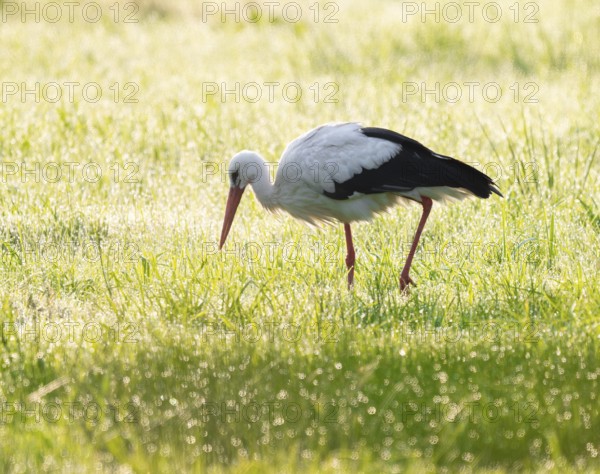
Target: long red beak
column 233, row 201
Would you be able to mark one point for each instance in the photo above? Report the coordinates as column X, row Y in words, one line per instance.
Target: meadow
column 131, row 344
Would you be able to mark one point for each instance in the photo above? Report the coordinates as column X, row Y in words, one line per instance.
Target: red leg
column 349, row 255
column 405, row 280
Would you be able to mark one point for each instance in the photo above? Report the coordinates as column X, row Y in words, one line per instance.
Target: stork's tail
column 462, row 175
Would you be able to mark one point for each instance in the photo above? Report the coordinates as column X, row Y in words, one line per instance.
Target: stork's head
column 247, row 167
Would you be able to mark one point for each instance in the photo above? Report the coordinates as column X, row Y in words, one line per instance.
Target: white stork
column 345, row 172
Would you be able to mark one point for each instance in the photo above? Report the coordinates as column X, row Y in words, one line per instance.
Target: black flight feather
column 414, row 166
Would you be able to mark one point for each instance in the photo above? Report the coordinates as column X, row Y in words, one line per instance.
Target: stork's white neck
column 262, row 186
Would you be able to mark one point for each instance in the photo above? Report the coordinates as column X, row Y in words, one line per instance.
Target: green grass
column 130, row 344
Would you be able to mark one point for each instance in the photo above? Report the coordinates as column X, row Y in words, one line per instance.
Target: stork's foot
column 350, row 278
column 405, row 280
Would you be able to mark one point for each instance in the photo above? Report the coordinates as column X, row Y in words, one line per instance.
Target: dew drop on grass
column 282, row 395
column 278, row 421
column 307, row 454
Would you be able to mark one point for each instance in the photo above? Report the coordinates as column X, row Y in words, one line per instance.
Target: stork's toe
column 405, row 281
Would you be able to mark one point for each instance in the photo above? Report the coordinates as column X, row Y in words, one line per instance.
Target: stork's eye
column 235, row 177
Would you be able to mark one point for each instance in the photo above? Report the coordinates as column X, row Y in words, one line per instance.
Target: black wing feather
column 414, row 166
